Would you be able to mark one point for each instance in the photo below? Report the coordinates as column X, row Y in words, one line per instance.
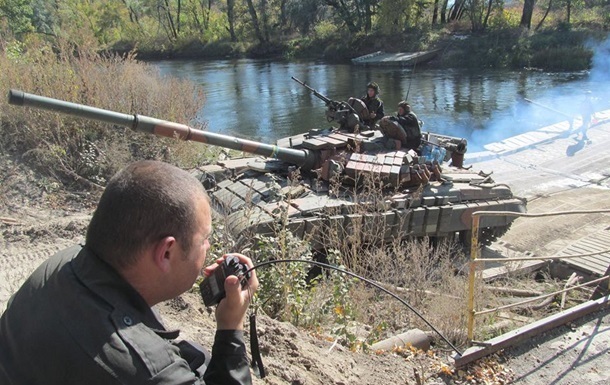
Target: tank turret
column 313, row 183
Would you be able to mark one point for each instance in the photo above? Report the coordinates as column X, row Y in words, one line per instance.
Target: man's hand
column 231, row 310
column 372, row 115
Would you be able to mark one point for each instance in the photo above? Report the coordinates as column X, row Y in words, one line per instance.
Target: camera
column 212, row 288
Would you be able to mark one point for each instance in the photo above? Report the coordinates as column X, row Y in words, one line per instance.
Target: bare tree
column 548, row 9
column 528, row 11
column 231, row 18
column 255, row 22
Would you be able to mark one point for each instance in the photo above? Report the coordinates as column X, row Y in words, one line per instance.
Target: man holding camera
column 85, row 315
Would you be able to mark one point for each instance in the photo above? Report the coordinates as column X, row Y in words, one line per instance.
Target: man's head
column 372, row 89
column 143, row 204
column 403, row 108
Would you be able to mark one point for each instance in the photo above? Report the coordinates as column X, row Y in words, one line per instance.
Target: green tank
column 335, row 182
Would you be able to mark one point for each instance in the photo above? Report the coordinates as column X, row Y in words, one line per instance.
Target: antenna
column 411, row 80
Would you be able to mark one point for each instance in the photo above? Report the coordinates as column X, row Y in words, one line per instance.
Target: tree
column 356, row 14
column 255, row 22
column 302, row 14
column 479, row 11
column 435, row 12
column 458, row 10
column 548, row 9
column 166, row 17
column 231, row 19
column 444, row 11
column 19, row 15
column 528, row 11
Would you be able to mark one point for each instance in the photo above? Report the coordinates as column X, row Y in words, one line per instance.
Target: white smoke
column 553, row 105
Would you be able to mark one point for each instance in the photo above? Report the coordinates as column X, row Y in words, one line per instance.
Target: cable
column 372, row 283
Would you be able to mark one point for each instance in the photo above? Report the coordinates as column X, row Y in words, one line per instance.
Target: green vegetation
column 499, row 34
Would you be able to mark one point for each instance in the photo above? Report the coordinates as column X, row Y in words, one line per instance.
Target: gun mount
column 319, row 182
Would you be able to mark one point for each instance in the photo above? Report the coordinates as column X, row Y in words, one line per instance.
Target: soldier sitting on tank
column 404, row 126
column 373, row 104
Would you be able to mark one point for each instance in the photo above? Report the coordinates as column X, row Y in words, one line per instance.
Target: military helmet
column 405, row 106
column 374, row 86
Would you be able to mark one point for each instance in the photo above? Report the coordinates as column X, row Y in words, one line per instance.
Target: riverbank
column 510, row 48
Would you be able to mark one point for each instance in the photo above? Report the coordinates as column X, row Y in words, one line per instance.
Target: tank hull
column 261, row 196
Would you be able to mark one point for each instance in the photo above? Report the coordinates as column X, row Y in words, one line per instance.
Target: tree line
column 108, row 22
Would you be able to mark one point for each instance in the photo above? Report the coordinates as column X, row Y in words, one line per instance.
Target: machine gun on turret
column 341, row 112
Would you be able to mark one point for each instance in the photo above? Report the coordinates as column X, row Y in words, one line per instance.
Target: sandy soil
column 38, row 218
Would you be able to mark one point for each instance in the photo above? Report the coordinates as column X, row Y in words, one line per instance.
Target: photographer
column 85, row 315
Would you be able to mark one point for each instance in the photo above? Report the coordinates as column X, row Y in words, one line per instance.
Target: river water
column 257, row 99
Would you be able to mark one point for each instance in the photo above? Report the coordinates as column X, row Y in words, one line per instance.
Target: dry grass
column 89, row 152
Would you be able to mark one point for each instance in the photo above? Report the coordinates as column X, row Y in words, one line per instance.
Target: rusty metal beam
column 513, row 337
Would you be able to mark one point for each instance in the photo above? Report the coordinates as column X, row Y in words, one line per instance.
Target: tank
column 335, row 182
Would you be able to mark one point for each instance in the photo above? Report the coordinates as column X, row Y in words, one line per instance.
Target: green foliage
column 18, row 14
column 283, row 291
column 340, row 305
column 333, row 30
column 562, row 58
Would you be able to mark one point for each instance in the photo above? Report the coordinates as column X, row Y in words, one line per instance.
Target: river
column 257, row 99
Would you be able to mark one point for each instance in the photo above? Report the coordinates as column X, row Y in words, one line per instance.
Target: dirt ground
column 38, row 218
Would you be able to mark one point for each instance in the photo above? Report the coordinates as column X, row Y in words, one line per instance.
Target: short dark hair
column 143, row 203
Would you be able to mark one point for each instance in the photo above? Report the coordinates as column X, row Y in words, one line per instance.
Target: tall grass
column 89, row 152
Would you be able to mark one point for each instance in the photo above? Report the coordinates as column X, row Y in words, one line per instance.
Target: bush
column 562, row 59
column 90, row 152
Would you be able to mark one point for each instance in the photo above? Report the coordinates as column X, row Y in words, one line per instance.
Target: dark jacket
column 77, row 321
column 373, row 105
column 410, row 123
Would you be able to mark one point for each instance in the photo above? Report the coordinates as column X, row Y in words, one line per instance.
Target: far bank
column 515, row 48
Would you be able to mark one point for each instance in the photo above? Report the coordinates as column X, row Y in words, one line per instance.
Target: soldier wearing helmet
column 408, row 120
column 373, row 103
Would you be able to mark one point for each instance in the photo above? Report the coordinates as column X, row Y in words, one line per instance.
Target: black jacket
column 77, row 321
column 373, row 105
column 410, row 123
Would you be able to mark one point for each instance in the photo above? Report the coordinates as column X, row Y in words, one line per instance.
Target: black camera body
column 212, row 288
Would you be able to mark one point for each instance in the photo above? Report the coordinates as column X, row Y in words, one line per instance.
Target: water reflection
column 258, row 100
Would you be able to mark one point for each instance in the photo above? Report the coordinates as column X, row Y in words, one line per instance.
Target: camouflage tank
column 334, row 181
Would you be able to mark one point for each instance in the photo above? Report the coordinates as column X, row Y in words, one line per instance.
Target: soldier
column 85, row 315
column 587, row 111
column 374, row 104
column 410, row 136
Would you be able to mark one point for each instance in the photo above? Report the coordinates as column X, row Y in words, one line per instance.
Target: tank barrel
column 302, row 158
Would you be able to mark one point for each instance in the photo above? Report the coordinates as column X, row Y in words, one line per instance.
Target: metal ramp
column 596, row 265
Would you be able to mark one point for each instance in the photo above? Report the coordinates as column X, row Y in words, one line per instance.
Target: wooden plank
column 316, row 144
column 291, row 141
column 343, row 136
column 528, row 331
column 334, row 142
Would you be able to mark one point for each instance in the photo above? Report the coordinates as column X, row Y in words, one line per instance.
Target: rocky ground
column 38, row 217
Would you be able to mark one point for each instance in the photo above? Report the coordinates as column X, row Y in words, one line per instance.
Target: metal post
column 474, row 249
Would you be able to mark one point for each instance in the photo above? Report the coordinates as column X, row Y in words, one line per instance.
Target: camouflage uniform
column 374, row 105
column 77, row 321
